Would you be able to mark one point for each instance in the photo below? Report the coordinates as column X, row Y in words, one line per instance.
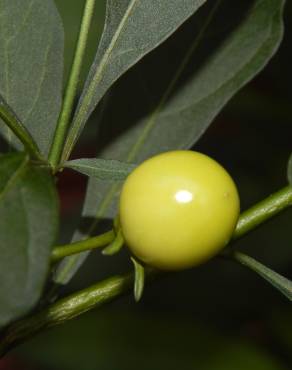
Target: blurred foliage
column 217, row 316
column 128, row 341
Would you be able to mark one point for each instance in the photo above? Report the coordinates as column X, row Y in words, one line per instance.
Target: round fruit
column 178, row 209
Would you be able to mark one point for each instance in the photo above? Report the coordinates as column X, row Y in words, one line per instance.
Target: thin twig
column 72, row 86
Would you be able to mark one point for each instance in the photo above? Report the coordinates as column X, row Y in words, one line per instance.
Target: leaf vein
column 22, row 24
column 42, row 80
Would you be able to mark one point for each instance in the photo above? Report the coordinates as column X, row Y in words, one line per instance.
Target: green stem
column 98, row 294
column 65, row 309
column 263, row 211
column 72, row 86
column 248, row 220
column 16, row 126
column 102, row 240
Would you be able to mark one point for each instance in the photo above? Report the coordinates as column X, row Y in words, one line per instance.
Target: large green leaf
column 31, row 66
column 28, row 227
column 179, row 119
column 230, row 46
column 132, row 29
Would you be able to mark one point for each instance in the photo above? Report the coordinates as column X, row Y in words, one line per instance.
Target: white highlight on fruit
column 184, row 196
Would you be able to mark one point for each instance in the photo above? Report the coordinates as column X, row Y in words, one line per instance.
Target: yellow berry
column 178, row 209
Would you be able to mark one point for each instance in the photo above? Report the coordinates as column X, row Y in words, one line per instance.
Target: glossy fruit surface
column 178, row 209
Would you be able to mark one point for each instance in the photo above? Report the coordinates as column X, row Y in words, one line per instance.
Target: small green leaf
column 115, row 246
column 139, row 279
column 31, row 66
column 101, row 169
column 289, row 170
column 279, row 282
column 28, row 227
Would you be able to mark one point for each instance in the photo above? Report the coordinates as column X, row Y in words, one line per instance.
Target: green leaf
column 185, row 105
column 16, row 126
column 31, row 64
column 230, row 46
column 28, row 227
column 132, row 29
column 101, row 169
column 289, row 170
column 279, row 282
column 139, row 279
column 178, row 120
column 115, row 246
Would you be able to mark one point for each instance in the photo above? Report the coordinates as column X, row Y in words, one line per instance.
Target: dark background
column 219, row 316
